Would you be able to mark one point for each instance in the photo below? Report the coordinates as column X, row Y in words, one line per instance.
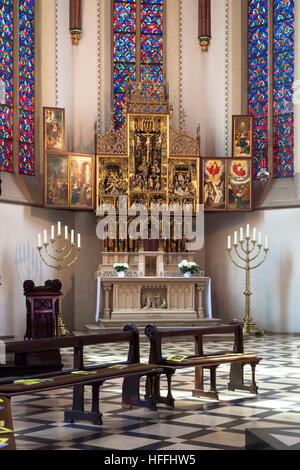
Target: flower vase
column 121, row 274
column 187, row 274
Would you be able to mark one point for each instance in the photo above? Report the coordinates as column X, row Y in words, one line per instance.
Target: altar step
column 111, row 326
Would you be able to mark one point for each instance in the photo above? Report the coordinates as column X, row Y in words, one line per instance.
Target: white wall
column 19, row 261
column 275, row 285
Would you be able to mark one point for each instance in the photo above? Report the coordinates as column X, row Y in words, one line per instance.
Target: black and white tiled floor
column 194, row 424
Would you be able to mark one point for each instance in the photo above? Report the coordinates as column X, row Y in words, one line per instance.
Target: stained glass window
column 262, row 98
column 18, row 21
column 26, row 87
column 258, row 33
column 284, row 75
column 6, row 85
column 137, row 47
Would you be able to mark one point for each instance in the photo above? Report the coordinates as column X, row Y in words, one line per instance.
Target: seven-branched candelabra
column 248, row 251
column 65, row 254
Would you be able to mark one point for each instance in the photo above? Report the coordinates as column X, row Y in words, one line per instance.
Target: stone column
column 107, row 309
column 200, row 290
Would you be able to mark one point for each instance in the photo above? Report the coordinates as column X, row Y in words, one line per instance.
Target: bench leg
column 78, row 413
column 199, row 391
column 131, row 393
column 169, row 399
column 8, row 440
column 237, row 378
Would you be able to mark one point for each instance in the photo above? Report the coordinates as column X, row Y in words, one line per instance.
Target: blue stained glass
column 283, row 9
column 6, row 22
column 6, row 120
column 27, row 6
column 151, row 49
column 258, row 41
column 6, row 54
column 258, row 72
column 26, row 87
column 26, row 30
column 26, row 127
column 26, row 62
column 26, row 159
column 151, row 18
column 284, row 36
column 6, row 90
column 152, row 72
column 258, row 13
column 284, row 67
column 124, row 47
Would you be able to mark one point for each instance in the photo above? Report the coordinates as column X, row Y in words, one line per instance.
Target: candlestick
column 266, row 242
column 259, row 239
column 247, row 255
column 229, row 243
column 235, row 238
column 248, row 231
column 64, row 256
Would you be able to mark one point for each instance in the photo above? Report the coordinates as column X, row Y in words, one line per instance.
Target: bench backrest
column 129, row 334
column 156, row 335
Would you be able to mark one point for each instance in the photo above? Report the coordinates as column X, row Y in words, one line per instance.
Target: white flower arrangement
column 188, row 267
column 121, row 267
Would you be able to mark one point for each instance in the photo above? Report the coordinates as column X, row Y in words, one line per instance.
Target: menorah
column 64, row 250
column 249, row 252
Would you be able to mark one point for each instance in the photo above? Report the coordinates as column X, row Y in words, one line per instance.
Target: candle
column 241, row 234
column 229, row 243
column 78, row 241
column 59, row 229
column 39, row 240
column 66, row 233
column 254, row 234
column 259, row 239
column 52, row 232
column 235, row 238
column 72, row 237
column 45, row 237
column 248, row 231
column 266, row 242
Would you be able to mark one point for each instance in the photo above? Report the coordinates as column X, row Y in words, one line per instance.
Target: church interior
column 149, row 196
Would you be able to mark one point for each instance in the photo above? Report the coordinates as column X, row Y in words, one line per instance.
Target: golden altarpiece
column 148, row 162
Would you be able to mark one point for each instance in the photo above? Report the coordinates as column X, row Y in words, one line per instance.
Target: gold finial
column 75, row 36
column 204, row 43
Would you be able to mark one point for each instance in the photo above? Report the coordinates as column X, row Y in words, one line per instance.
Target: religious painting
column 214, row 184
column 184, row 181
column 112, row 179
column 81, row 181
column 242, row 140
column 56, row 180
column 239, row 189
column 54, row 129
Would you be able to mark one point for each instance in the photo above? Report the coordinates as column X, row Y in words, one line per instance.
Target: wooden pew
column 130, row 370
column 201, row 361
